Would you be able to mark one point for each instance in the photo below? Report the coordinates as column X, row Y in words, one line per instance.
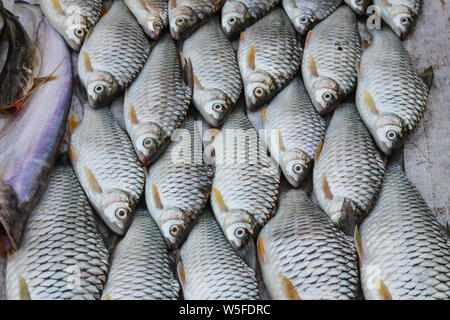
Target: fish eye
column 239, row 232
column 121, row 213
column 217, row 107
column 258, row 92
column 404, row 20
column 297, row 168
column 180, row 21
column 157, row 25
column 99, row 88
column 359, row 2
column 391, row 135
column 328, row 96
column 79, row 32
column 147, row 143
column 303, row 19
column 174, row 230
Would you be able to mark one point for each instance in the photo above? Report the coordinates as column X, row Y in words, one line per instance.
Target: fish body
column 391, row 97
column 217, row 81
column 348, row 174
column 359, row 6
column 140, row 265
column 62, row 256
column 304, row 256
column 269, row 56
column 329, row 67
column 237, row 15
column 210, row 269
column 72, row 18
column 152, row 15
column 404, row 251
column 157, row 102
column 112, row 55
column 178, row 185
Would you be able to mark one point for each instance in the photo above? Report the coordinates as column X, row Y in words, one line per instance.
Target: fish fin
column 156, row 197
column 385, row 3
column 264, row 116
column 251, row 57
column 189, row 74
column 366, row 43
column 181, row 273
column 89, row 33
column 197, row 83
column 24, row 293
column 293, row 4
column 326, row 187
column 104, row 11
column 107, row 297
column 223, row 207
column 318, row 150
column 87, row 62
column 248, row 254
column 427, row 77
column 241, row 37
column 312, row 66
column 132, row 114
column 72, row 123
column 370, row 103
column 72, row 153
column 173, row 3
column 261, row 250
column 58, row 7
column 280, row 141
column 93, row 183
column 357, row 240
column 288, row 288
column 382, row 289
column 308, row 38
column 358, row 69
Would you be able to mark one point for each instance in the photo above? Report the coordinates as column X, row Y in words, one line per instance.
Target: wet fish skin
column 178, row 185
column 217, row 80
column 140, row 264
column 157, row 102
column 391, row 97
column 304, row 256
column 269, row 56
column 72, row 18
column 62, row 254
column 329, row 67
column 359, row 6
column 237, row 15
column 305, row 14
column 209, row 267
column 404, row 251
column 151, row 14
column 112, row 55
column 348, row 174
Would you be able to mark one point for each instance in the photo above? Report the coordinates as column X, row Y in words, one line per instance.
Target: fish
column 237, row 15
column 152, row 15
column 112, row 55
column 72, row 18
column 63, row 256
column 29, row 141
column 178, row 185
column 404, row 252
column 209, row 269
column 106, row 165
column 305, row 14
column 22, row 65
column 157, row 102
column 185, row 16
column 292, row 130
column 140, row 264
column 305, row 257
column 329, row 67
column 269, row 56
column 391, row 96
column 349, row 171
column 399, row 14
column 217, row 80
column 359, row 6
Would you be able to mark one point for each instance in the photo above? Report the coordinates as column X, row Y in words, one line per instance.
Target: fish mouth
column 10, row 227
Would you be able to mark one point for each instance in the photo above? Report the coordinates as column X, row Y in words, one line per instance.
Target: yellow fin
column 156, row 197
column 308, row 38
column 181, row 273
column 280, row 141
column 326, row 187
column 241, row 37
column 385, row 3
column 24, row 294
column 107, row 297
column 89, row 33
column 264, row 116
column 173, row 3
column 312, row 66
column 261, row 251
column 318, row 150
column 382, row 289
column 93, row 183
column 288, row 288
column 104, row 10
column 357, row 240
column 358, row 69
column 132, row 115
column 73, row 123
column 72, row 153
column 220, row 201
column 197, row 83
column 87, row 62
column 251, row 57
column 368, row 101
column 58, row 7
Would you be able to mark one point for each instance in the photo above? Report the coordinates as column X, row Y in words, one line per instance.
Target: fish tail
column 10, row 226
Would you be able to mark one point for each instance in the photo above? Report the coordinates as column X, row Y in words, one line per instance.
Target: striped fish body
column 152, row 15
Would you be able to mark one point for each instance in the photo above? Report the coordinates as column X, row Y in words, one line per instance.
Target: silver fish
column 348, row 174
column 269, row 56
column 332, row 51
column 237, row 15
column 112, row 55
column 210, row 269
column 178, row 185
column 140, row 265
column 72, row 18
column 404, row 252
column 303, row 256
column 62, row 254
column 157, row 102
column 359, row 6
column 305, row 14
column 391, row 97
column 217, row 81
column 151, row 14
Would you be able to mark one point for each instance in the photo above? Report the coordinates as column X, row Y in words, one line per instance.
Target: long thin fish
column 152, row 15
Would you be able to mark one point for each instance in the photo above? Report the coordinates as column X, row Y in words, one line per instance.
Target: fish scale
column 403, row 246
column 60, row 240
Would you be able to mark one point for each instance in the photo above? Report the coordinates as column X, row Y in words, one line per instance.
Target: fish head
column 260, row 88
column 116, row 211
column 182, row 22
column 325, row 95
column 234, row 17
column 359, row 6
column 76, row 29
column 389, row 133
column 345, row 214
column 174, row 227
column 153, row 26
column 215, row 106
column 296, row 166
column 101, row 88
column 239, row 228
column 402, row 20
column 148, row 139
column 304, row 20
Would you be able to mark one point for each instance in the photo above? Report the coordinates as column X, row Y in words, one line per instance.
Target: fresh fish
column 72, row 18
column 399, row 14
column 30, row 16
column 210, row 269
column 359, row 6
column 178, row 185
column 404, row 252
column 29, row 141
column 348, row 174
column 217, row 81
column 303, row 256
column 106, row 166
column 305, row 14
column 292, row 131
column 332, row 51
column 269, row 56
column 140, row 265
column 391, row 97
column 157, row 102
column 22, row 64
column 237, row 15
column 185, row 16
column 151, row 14
column 112, row 55
column 62, row 254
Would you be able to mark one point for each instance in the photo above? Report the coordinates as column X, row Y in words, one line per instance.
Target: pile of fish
column 212, row 149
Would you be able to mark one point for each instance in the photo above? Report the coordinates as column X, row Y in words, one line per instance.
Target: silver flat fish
column 152, row 15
